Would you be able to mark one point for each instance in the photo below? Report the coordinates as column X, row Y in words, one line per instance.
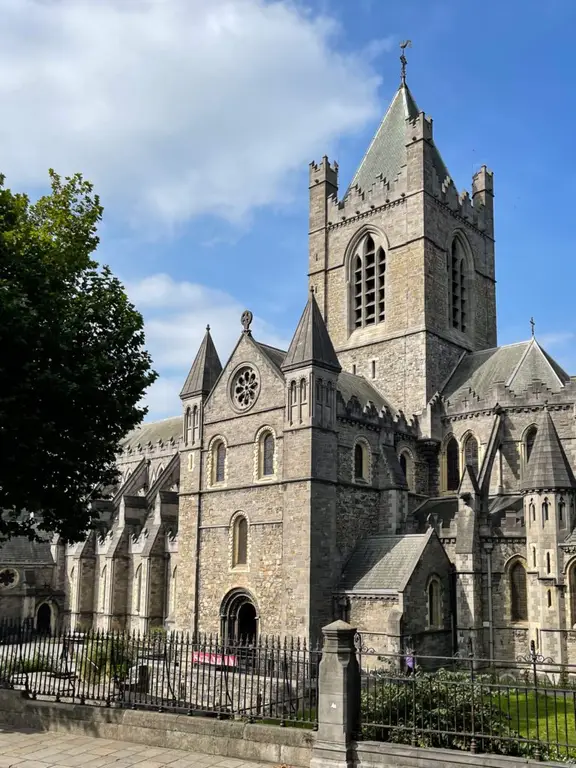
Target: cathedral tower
column 402, row 265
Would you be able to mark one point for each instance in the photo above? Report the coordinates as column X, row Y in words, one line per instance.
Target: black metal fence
column 270, row 679
column 524, row 708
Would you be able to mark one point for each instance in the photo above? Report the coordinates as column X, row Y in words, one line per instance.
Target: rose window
column 245, row 388
column 7, row 577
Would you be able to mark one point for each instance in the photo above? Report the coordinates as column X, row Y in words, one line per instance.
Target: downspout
column 488, row 550
column 197, row 553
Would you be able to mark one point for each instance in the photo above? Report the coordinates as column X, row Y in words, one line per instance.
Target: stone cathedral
column 394, row 467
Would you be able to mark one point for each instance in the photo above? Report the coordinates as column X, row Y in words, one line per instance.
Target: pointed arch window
column 545, row 511
column 369, row 283
column 240, row 541
column 452, row 465
column 188, row 427
column 548, row 563
column 195, row 425
column 562, row 512
column 361, row 462
column 529, row 439
column 407, row 467
column 518, row 593
column 532, row 511
column 471, row 453
column 458, row 289
column 104, row 585
column 138, row 589
column 434, row 603
column 303, row 399
column 172, row 603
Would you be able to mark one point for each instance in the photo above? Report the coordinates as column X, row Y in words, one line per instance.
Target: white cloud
column 175, row 108
column 176, row 314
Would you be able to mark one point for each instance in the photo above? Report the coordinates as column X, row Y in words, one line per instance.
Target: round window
column 245, row 388
column 8, row 578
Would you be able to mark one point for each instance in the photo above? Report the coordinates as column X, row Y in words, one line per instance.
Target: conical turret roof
column 548, row 467
column 311, row 343
column 205, row 369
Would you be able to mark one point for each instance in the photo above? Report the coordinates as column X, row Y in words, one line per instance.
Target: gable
column 264, row 384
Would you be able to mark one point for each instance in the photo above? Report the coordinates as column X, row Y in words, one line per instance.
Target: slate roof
column 444, row 508
column 152, row 431
column 350, row 385
column 515, row 365
column 20, row 550
column 275, row 355
column 383, row 563
column 548, row 466
column 311, row 343
column 205, row 369
column 386, row 154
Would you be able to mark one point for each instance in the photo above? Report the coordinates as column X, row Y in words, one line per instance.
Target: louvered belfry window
column 458, row 289
column 369, row 284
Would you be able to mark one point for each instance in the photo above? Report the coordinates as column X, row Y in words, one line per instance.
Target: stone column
column 338, row 698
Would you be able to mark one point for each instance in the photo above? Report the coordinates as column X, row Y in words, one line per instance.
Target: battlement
column 324, row 171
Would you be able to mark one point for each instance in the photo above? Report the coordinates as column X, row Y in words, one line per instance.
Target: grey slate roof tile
column 515, row 365
column 383, row 563
column 20, row 550
column 548, row 466
column 386, row 154
column 152, row 431
column 350, row 385
column 311, row 343
column 275, row 355
column 205, row 369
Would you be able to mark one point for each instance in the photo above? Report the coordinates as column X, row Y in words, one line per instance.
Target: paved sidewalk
column 44, row 749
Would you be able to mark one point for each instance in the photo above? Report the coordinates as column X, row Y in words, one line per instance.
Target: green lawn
column 552, row 720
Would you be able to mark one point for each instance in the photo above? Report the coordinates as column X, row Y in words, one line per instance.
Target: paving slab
column 26, row 748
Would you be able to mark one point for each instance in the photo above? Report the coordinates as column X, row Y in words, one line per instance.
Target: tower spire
column 403, row 60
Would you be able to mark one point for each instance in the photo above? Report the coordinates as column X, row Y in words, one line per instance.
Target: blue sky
column 197, row 119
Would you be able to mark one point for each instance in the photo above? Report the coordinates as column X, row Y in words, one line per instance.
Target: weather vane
column 403, row 60
column 532, row 324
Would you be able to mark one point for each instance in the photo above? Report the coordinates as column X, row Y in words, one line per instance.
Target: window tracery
column 368, row 283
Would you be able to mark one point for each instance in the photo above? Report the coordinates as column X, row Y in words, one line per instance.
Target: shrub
column 439, row 710
column 104, row 658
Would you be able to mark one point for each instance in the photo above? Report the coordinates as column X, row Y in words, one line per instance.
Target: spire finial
column 208, row 327
column 403, row 60
column 532, row 325
column 246, row 320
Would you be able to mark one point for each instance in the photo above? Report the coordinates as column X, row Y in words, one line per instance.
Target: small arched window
column 545, row 511
column 549, row 598
column 361, row 459
column 219, row 461
column 188, row 427
column 240, row 541
column 434, row 604
column 103, row 587
column 471, row 453
column 532, row 511
column 195, row 425
column 368, row 284
column 529, row 439
column 320, row 401
column 303, row 399
column 562, row 512
column 407, row 467
column 458, row 290
column 518, row 593
column 267, row 454
column 138, row 589
column 548, row 563
column 172, row 603
column 452, row 465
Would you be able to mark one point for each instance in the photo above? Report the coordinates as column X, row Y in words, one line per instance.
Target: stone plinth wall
column 230, row 738
column 373, row 754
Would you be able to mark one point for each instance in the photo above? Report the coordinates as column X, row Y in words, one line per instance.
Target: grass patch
column 550, row 717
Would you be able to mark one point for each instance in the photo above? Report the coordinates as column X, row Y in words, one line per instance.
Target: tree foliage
column 73, row 367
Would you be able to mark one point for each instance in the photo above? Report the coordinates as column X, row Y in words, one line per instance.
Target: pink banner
column 215, row 659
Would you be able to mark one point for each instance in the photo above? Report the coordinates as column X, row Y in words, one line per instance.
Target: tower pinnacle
column 403, row 60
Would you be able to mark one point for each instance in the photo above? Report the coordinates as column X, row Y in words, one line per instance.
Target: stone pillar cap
column 339, row 626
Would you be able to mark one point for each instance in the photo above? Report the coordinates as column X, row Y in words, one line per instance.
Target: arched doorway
column 239, row 617
column 44, row 619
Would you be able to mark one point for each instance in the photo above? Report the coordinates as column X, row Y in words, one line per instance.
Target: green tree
column 73, row 367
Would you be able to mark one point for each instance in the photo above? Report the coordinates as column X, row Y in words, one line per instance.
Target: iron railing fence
column 270, row 678
column 525, row 707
